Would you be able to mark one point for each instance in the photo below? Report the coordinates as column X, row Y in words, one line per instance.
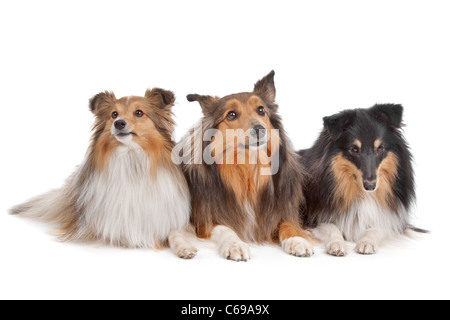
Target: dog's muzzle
column 121, row 129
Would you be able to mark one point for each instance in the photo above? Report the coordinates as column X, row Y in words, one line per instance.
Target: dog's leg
column 230, row 246
column 293, row 240
column 335, row 244
column 180, row 245
column 368, row 244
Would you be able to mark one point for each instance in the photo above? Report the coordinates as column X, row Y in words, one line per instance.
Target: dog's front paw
column 366, row 247
column 236, row 251
column 298, row 247
column 337, row 248
column 186, row 252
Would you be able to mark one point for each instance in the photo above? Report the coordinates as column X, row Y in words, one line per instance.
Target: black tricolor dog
column 361, row 181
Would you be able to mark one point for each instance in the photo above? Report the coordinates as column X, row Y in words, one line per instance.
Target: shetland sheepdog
column 360, row 184
column 250, row 189
column 127, row 192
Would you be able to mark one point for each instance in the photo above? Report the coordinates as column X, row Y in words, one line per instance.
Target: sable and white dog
column 250, row 190
column 127, row 192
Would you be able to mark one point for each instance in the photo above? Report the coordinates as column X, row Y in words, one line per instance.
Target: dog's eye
column 139, row 113
column 354, row 149
column 261, row 111
column 115, row 114
column 231, row 116
column 380, row 149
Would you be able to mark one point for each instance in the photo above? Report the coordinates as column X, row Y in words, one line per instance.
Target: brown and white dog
column 244, row 177
column 127, row 192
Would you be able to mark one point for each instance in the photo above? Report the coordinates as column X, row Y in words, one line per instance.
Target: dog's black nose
column 370, row 185
column 258, row 131
column 120, row 124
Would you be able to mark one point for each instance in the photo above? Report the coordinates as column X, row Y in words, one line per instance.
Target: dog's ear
column 206, row 102
column 164, row 99
column 392, row 114
column 336, row 124
column 101, row 99
column 266, row 87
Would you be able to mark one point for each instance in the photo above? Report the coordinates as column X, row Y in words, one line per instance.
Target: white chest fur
column 367, row 214
column 124, row 205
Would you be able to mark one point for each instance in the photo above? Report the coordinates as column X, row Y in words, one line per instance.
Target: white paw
column 366, row 247
column 236, row 251
column 298, row 247
column 186, row 252
column 337, row 248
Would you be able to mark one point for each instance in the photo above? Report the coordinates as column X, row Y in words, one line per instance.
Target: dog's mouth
column 256, row 145
column 125, row 134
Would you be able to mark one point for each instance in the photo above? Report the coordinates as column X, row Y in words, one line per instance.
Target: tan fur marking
column 255, row 101
column 357, row 143
column 204, row 232
column 103, row 150
column 244, row 179
column 233, row 104
column 348, row 181
column 160, row 246
column 377, row 143
column 387, row 173
column 288, row 230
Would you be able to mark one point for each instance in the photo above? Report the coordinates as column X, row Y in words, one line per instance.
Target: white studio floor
column 36, row 266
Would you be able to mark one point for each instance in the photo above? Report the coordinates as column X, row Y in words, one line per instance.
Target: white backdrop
column 328, row 56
